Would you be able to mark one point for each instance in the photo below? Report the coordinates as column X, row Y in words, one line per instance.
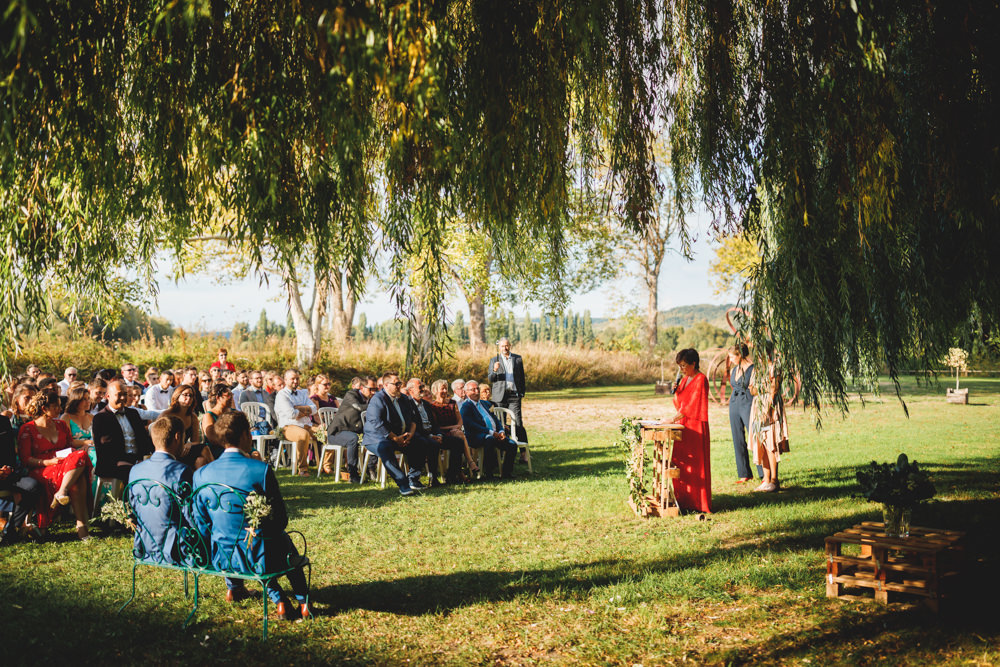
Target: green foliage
column 811, row 132
column 902, row 484
column 633, row 453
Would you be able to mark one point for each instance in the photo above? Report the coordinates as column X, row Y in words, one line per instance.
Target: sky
column 198, row 304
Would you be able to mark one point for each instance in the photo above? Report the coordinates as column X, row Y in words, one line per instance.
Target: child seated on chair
column 233, row 546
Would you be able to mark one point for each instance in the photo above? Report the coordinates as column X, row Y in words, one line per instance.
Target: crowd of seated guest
column 66, row 435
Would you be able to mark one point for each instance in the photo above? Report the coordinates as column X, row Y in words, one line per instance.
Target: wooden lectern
column 662, row 502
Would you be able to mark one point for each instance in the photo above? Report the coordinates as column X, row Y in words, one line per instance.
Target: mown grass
column 553, row 568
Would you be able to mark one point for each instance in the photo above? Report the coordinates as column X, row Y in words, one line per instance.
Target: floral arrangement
column 899, row 484
column 255, row 509
column 631, row 448
column 958, row 359
column 118, row 511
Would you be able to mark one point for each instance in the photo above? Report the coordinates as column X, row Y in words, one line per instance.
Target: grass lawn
column 553, row 568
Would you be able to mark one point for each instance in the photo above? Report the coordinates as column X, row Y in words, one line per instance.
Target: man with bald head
column 120, row 436
column 482, row 429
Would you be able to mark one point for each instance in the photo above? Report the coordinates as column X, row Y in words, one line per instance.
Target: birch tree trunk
column 342, row 304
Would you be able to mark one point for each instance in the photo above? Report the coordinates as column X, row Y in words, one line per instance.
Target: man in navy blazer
column 506, row 376
column 158, row 511
column 271, row 549
column 386, row 430
column 483, row 430
column 120, row 436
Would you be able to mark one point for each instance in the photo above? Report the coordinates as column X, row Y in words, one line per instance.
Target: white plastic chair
column 504, row 414
column 252, row 411
column 326, row 415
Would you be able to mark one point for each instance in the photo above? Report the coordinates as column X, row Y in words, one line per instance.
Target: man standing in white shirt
column 69, row 377
column 157, row 397
column 294, row 410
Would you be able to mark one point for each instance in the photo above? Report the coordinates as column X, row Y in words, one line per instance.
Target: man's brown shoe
column 238, row 594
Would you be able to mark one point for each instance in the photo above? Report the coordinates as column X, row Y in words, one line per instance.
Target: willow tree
column 856, row 143
column 128, row 121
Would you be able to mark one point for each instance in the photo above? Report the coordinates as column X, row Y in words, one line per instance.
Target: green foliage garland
column 631, row 447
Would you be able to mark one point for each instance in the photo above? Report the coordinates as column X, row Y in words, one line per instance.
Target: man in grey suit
column 256, row 393
column 506, row 375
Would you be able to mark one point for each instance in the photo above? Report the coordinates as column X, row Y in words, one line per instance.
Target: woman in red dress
column 65, row 480
column 692, row 453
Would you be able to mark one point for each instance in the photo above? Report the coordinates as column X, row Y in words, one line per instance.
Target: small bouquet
column 118, row 511
column 255, row 509
column 900, row 484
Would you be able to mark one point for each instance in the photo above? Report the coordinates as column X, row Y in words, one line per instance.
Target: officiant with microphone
column 506, row 376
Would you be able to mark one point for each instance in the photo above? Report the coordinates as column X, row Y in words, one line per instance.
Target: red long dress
column 32, row 444
column 692, row 451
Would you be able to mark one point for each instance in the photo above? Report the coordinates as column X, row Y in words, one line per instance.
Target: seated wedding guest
column 484, row 430
column 458, row 391
column 134, row 395
column 24, row 491
column 220, row 401
column 157, row 396
column 158, row 512
column 18, row 411
column 189, row 376
column 485, row 392
column 347, row 427
column 242, row 383
column 294, row 411
column 275, row 382
column 78, row 418
column 204, row 385
column 222, row 361
column 120, row 435
column 130, row 376
column 33, row 371
column 196, row 453
column 152, row 375
column 98, row 390
column 48, row 384
column 256, row 393
column 424, row 426
column 69, row 376
column 214, row 378
column 64, row 476
column 320, row 392
column 449, row 421
column 271, row 549
column 386, row 432
column 105, row 374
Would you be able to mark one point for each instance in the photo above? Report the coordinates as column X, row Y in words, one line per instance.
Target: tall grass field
column 554, row 569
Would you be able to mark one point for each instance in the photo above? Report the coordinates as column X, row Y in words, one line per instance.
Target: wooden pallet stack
column 662, row 502
column 922, row 567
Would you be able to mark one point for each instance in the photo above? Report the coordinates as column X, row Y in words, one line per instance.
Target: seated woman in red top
column 692, row 453
column 65, row 480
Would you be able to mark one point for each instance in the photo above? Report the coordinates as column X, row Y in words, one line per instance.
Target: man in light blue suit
column 157, row 510
column 483, row 430
column 272, row 549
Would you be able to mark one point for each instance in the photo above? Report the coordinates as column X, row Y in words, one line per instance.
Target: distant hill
column 682, row 316
column 685, row 316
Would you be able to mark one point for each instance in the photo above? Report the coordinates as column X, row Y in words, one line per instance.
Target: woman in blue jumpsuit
column 740, row 402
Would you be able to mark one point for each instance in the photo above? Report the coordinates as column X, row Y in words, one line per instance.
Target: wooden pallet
column 662, row 502
column 922, row 567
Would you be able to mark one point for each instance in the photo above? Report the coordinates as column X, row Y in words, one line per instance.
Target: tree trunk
column 477, row 321
column 652, row 279
column 342, row 305
column 308, row 326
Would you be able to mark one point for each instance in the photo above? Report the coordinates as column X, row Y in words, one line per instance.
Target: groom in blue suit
column 272, row 549
column 158, row 511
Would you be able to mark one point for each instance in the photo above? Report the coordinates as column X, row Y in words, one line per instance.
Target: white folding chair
column 326, row 415
column 504, row 414
column 252, row 411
